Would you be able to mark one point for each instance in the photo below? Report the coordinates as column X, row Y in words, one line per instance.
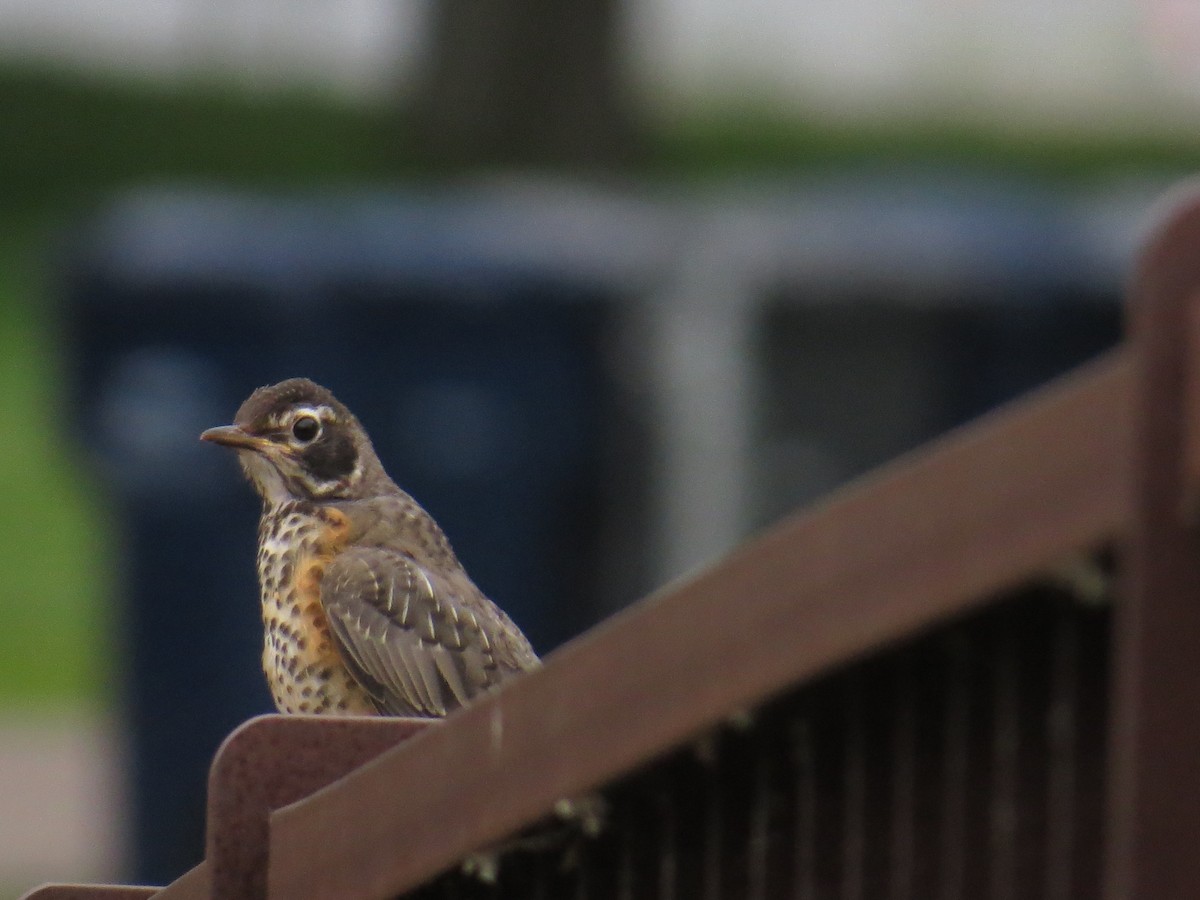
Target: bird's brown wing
column 417, row 645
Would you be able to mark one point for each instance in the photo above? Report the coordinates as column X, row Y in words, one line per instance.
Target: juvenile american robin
column 366, row 608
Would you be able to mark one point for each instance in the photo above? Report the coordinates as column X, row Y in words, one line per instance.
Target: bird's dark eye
column 305, row 429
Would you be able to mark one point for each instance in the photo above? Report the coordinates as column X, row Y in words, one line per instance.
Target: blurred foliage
column 64, row 138
column 761, row 141
column 66, row 141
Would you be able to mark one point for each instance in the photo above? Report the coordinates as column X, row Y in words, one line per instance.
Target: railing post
column 1154, row 801
column 269, row 762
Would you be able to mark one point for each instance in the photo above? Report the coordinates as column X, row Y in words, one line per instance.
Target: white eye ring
column 306, row 428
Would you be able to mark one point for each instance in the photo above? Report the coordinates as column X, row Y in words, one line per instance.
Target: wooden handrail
column 930, row 537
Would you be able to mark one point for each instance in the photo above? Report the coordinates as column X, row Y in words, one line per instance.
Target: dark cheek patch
column 331, row 458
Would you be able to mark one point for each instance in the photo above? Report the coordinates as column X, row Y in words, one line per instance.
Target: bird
column 365, row 607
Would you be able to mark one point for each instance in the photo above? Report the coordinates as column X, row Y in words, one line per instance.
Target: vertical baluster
column 1062, row 739
column 955, row 744
column 668, row 853
column 1005, row 757
column 854, row 839
column 583, row 872
column 626, row 871
column 804, row 883
column 714, row 824
column 540, row 872
column 759, row 837
column 904, row 782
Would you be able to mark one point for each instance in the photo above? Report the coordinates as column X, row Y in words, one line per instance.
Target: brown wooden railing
column 975, row 673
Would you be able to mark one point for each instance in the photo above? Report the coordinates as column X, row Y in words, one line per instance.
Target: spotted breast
column 367, row 609
column 296, row 541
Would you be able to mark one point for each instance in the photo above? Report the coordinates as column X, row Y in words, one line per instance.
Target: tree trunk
column 524, row 83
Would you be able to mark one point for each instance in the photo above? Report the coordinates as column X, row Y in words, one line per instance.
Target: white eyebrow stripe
column 322, row 412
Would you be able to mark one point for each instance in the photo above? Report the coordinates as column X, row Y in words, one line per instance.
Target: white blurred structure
column 355, row 47
column 1042, row 62
column 63, row 786
column 1106, row 63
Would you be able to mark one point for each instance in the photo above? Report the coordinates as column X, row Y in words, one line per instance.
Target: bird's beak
column 233, row 436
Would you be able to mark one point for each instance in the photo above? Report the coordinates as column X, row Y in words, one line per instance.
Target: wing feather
column 418, row 645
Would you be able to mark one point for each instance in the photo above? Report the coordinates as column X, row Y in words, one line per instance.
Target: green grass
column 55, row 643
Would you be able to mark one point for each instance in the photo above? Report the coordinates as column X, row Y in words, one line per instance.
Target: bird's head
column 295, row 441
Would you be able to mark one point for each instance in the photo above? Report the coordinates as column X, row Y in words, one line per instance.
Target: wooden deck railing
column 899, row 693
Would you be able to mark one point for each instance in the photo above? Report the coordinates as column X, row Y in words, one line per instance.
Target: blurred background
column 611, row 284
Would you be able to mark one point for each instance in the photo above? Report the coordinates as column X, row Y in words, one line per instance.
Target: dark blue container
column 466, row 334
